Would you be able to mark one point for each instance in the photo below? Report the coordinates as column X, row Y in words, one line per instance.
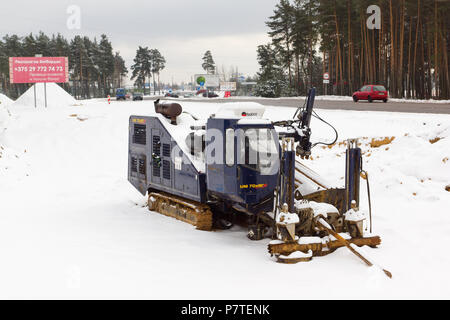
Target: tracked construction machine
column 237, row 167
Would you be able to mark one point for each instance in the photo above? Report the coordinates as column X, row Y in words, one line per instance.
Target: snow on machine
column 237, row 167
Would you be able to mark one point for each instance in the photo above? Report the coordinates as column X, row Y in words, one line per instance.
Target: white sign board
column 326, row 81
column 228, row 86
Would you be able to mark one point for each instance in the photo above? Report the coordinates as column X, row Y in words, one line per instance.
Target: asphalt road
column 410, row 107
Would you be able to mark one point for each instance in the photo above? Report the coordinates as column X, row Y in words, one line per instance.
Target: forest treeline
column 409, row 53
column 94, row 66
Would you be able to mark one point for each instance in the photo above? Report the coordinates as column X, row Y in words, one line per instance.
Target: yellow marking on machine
column 253, row 186
column 140, row 121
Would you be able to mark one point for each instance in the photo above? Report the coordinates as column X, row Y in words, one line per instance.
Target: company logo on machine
column 249, row 114
column 253, row 186
column 140, row 121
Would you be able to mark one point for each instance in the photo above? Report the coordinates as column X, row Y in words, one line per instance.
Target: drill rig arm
column 301, row 127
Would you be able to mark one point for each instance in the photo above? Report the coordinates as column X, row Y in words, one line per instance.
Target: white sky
column 181, row 29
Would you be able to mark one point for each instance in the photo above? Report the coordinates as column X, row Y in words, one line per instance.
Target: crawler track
column 197, row 214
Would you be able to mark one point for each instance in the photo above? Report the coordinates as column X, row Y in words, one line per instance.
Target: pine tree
column 106, row 63
column 78, row 57
column 158, row 64
column 142, row 67
column 281, row 24
column 208, row 63
column 271, row 79
column 120, row 70
column 29, row 45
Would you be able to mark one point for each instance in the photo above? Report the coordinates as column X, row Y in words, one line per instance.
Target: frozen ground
column 71, row 226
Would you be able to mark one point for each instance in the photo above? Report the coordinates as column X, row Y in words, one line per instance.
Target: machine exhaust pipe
column 169, row 110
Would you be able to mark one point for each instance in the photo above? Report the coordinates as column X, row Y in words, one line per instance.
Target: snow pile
column 5, row 100
column 287, row 218
column 297, row 255
column 56, row 97
column 180, row 132
column 353, row 215
column 4, row 113
column 319, row 208
column 4, row 116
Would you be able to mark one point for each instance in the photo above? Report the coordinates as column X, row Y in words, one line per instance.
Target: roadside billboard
column 228, row 86
column 38, row 69
column 207, row 80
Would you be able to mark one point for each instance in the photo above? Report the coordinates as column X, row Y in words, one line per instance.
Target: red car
column 370, row 93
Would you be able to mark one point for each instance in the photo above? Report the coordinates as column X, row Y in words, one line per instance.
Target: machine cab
column 242, row 158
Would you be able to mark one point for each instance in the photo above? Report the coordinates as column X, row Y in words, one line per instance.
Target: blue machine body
column 151, row 166
column 239, row 183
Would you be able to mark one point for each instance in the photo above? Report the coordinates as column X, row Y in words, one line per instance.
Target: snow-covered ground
column 4, row 100
column 71, row 226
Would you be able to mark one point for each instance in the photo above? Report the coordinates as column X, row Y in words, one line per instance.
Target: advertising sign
column 228, row 86
column 207, row 80
column 38, row 69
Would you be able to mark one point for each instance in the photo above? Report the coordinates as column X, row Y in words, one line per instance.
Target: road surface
column 390, row 106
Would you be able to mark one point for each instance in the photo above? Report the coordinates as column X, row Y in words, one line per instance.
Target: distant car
column 370, row 93
column 210, row 95
column 171, row 95
column 138, row 96
column 188, row 95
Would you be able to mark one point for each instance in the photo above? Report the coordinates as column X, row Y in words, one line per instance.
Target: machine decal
column 140, row 121
column 253, row 186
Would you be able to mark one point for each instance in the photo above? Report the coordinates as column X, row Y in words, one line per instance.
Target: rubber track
column 195, row 213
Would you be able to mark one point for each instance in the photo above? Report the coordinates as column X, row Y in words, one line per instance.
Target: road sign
column 326, row 81
column 38, row 69
column 228, row 86
column 326, row 76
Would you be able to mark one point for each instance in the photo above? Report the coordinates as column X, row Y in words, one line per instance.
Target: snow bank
column 5, row 100
column 4, row 116
column 56, row 97
column 4, row 113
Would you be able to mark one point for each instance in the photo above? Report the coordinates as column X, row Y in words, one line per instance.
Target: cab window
column 259, row 149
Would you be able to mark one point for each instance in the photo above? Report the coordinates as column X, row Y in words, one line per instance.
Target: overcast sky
column 181, row 29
